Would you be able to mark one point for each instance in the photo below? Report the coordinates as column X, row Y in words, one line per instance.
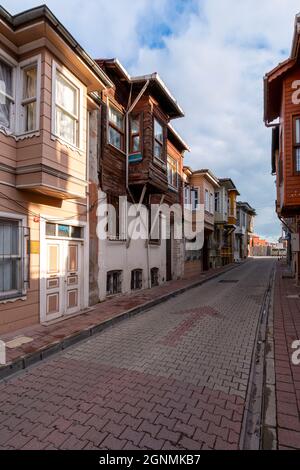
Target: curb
column 30, row 359
column 253, row 420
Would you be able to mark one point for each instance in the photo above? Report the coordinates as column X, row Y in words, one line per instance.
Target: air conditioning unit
column 295, row 242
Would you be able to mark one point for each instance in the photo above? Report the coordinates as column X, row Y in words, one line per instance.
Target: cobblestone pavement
column 172, row 378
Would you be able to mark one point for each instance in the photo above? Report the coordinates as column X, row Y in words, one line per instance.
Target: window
column 63, row 231
column 135, row 131
column 29, row 99
column 195, row 198
column 217, row 202
column 154, row 277
column 187, row 196
column 172, row 172
column 211, row 203
column 19, row 94
column 154, row 227
column 66, row 110
column 117, row 217
column 136, row 279
column 6, row 94
column 158, row 140
column 297, row 144
column 116, row 128
column 13, row 258
column 114, row 282
column 206, row 201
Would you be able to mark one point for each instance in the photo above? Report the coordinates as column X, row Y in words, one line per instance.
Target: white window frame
column 194, row 199
column 16, row 126
column 122, row 131
column 187, row 197
column 20, row 116
column 160, row 142
column 171, row 166
column 15, row 294
column 14, row 65
column 206, row 201
column 69, row 77
column 211, row 203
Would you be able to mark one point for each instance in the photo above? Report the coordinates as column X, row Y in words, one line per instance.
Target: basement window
column 114, row 282
column 154, row 277
column 136, row 279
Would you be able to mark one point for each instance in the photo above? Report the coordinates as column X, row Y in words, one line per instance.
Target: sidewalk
column 48, row 339
column 286, row 331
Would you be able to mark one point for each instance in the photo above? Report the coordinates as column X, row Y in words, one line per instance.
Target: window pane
column 30, row 116
column 158, row 131
column 136, row 143
column 5, row 79
column 115, row 138
column 297, row 123
column 9, row 274
column 298, row 159
column 76, row 232
column 50, row 229
column 135, row 125
column 66, row 126
column 9, row 237
column 30, row 83
column 66, row 95
column 5, row 105
column 63, row 230
column 116, row 118
column 157, row 150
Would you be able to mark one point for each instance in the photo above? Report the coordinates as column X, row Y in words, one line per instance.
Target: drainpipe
column 127, row 114
column 129, row 110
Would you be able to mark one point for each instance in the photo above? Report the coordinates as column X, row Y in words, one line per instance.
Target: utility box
column 295, row 242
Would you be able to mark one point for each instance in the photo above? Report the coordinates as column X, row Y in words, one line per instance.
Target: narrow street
column 175, row 377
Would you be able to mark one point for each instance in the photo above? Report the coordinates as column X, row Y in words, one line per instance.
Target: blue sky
column 213, row 55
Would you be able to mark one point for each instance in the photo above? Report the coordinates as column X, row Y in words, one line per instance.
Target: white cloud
column 214, row 64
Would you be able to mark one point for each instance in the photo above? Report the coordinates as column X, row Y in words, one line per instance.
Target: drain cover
column 228, row 281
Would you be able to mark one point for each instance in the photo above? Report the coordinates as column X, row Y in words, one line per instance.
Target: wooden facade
column 282, row 114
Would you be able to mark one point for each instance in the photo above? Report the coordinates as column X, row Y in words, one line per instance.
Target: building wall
column 44, row 163
column 127, row 256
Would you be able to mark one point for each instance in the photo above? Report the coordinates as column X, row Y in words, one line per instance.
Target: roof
column 229, row 184
column 179, row 140
column 208, row 174
column 43, row 12
column 273, row 79
column 247, row 207
column 156, row 84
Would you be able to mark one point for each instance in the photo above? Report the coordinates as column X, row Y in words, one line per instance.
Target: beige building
column 47, row 92
column 200, row 187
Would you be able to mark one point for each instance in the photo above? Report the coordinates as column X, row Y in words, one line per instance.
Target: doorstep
column 57, row 336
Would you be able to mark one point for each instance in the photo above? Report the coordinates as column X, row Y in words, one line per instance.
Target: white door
column 63, row 281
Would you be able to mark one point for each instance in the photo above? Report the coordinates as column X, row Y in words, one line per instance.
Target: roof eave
column 15, row 21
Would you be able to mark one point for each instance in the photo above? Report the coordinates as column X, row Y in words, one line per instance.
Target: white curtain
column 5, row 93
